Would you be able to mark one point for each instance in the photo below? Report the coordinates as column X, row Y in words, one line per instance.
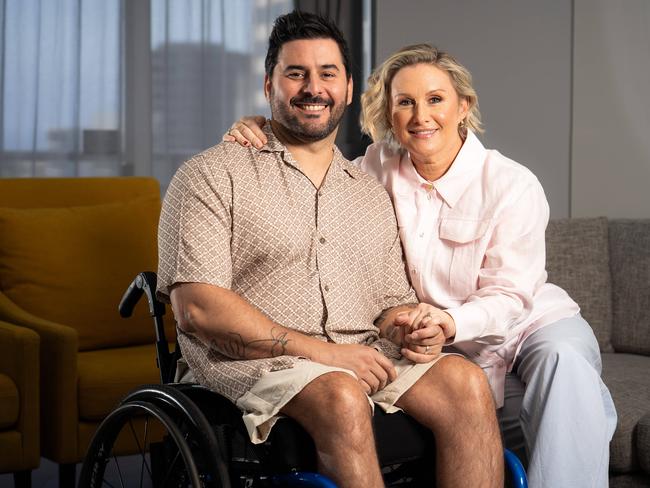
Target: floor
column 47, row 474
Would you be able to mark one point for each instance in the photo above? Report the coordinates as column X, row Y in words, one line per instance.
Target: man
column 278, row 262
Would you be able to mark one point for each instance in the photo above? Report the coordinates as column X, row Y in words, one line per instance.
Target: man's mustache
column 311, row 100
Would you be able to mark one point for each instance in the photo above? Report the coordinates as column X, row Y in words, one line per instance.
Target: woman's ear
column 463, row 109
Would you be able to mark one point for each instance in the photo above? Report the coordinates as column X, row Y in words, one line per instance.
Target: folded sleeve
column 194, row 232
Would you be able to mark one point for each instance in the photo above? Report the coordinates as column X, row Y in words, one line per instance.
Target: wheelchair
column 188, row 436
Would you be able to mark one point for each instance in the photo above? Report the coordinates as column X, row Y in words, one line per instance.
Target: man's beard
column 304, row 130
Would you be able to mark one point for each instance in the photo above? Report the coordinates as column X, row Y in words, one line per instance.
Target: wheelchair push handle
column 145, row 283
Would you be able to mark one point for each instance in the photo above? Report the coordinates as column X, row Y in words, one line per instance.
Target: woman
column 472, row 223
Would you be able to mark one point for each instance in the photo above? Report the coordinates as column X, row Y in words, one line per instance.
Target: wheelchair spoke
column 164, row 447
column 142, row 449
column 170, row 469
column 119, row 471
column 144, row 462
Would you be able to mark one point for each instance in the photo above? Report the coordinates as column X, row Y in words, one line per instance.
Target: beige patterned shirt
column 324, row 262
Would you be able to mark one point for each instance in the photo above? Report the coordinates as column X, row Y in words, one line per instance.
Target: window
column 84, row 93
column 61, row 97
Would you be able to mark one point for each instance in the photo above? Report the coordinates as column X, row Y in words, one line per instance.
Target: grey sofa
column 605, row 267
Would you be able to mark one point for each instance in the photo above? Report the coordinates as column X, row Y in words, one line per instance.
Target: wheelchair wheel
column 170, row 463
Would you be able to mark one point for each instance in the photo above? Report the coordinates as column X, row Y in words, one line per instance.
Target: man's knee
column 465, row 383
column 333, row 401
column 345, row 398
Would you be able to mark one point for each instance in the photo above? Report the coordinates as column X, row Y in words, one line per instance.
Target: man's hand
column 374, row 370
column 426, row 329
column 246, row 131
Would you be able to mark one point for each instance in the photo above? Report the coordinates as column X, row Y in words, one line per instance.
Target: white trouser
column 557, row 410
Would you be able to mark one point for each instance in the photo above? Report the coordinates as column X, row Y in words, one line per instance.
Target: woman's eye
column 435, row 99
column 404, row 103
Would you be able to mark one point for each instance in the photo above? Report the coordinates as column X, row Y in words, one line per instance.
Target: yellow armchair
column 19, row 409
column 69, row 247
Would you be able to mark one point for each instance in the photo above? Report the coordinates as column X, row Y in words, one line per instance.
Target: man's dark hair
column 303, row 25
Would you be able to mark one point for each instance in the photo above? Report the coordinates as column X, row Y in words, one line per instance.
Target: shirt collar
column 273, row 144
column 339, row 162
column 468, row 163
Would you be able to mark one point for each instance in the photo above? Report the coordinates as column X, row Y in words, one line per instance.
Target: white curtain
column 63, row 71
column 207, row 71
column 61, row 91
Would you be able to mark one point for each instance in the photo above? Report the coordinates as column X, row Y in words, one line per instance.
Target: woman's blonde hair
column 375, row 101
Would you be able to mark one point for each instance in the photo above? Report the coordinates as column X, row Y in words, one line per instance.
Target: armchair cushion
column 107, row 375
column 9, row 402
column 70, row 265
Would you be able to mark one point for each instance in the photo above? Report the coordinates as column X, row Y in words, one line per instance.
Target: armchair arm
column 19, row 348
column 58, row 381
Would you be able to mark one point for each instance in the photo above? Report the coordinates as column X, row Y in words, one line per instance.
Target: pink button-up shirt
column 475, row 247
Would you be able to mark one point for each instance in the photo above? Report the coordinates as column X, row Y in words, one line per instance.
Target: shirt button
column 428, row 196
column 421, row 234
column 322, row 240
column 414, row 271
column 326, row 288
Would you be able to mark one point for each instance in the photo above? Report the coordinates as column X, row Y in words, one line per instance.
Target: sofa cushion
column 629, row 481
column 107, row 375
column 9, row 402
column 71, row 265
column 577, row 259
column 643, row 442
column 630, row 262
column 626, row 376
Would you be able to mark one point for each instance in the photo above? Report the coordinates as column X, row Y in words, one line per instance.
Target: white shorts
column 262, row 404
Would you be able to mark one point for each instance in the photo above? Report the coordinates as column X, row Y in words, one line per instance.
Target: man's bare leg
column 335, row 412
column 454, row 401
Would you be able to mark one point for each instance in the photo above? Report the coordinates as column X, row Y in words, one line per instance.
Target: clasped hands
column 420, row 332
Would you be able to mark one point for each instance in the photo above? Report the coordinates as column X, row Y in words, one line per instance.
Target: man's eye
column 296, row 75
column 329, row 75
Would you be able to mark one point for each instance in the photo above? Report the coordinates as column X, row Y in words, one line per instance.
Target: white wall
column 519, row 53
column 563, row 87
column 611, row 109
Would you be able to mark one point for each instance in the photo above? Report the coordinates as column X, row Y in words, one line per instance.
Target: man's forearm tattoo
column 238, row 348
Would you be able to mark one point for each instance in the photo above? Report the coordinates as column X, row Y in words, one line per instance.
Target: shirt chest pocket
column 464, row 242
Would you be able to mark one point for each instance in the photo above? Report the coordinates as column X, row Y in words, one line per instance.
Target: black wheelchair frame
column 205, row 443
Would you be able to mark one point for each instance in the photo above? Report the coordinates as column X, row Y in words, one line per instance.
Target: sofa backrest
column 629, row 244
column 577, row 259
column 605, row 267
